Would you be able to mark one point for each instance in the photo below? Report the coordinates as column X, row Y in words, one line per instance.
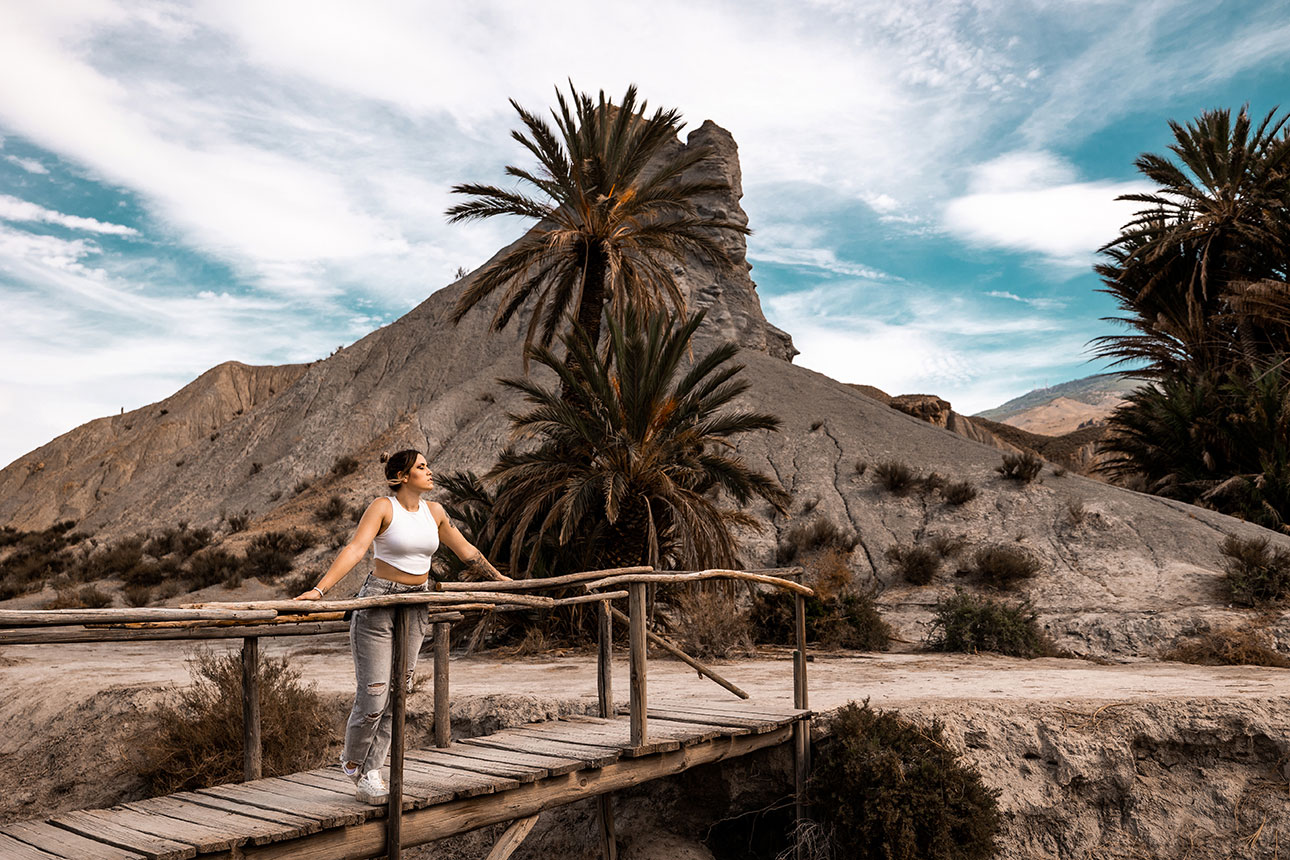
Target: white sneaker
column 371, row 788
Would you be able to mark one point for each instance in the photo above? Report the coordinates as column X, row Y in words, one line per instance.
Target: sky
column 183, row 184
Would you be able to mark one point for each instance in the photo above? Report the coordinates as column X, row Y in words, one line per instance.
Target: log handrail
column 698, row 576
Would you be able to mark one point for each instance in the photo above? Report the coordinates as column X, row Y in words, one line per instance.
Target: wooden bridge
column 454, row 787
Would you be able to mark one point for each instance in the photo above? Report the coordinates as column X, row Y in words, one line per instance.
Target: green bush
column 1022, row 468
column 1257, row 574
column 195, row 736
column 888, row 788
column 1003, row 565
column 967, row 623
column 917, row 564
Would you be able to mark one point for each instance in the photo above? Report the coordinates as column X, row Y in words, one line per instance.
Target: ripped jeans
column 371, row 639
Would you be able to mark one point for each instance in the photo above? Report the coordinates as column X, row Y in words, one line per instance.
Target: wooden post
column 636, row 658
column 442, row 722
column 801, row 728
column 399, row 703
column 604, row 662
column 251, row 749
column 605, row 694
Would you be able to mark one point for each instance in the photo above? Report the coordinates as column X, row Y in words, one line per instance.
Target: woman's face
column 419, row 477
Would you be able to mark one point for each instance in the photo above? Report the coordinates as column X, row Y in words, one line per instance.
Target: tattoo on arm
column 480, row 567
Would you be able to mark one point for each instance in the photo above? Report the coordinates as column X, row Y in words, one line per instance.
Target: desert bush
column 958, row 493
column 343, row 466
column 886, row 787
column 194, row 738
column 214, row 566
column 238, row 522
column 301, row 486
column 149, row 572
column 966, row 623
column 34, row 557
column 334, row 509
column 272, row 554
column 180, row 540
column 118, row 559
column 932, row 482
column 709, row 623
column 85, row 597
column 1022, row 468
column 846, row 620
column 1003, row 565
column 1076, row 512
column 895, row 477
column 917, row 564
column 137, row 595
column 256, row 468
column 946, row 545
column 1229, row 647
column 860, row 467
column 1256, row 572
column 816, row 535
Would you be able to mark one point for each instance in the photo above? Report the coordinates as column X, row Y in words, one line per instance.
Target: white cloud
column 30, row 165
column 1028, row 202
column 14, row 209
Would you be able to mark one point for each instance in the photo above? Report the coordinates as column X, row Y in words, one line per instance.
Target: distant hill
column 1060, row 409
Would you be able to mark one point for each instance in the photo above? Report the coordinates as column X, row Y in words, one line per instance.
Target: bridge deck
column 471, row 783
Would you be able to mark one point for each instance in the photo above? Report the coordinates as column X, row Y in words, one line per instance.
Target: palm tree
column 633, row 458
column 615, row 214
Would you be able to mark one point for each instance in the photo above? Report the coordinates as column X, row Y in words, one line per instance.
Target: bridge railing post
column 605, row 696
column 442, row 721
column 801, row 728
column 252, row 751
column 399, row 704
column 636, row 660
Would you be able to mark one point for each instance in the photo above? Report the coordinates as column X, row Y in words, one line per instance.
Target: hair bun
column 385, row 456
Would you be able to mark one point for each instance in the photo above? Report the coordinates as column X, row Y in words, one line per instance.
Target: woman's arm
column 369, row 526
column 450, row 537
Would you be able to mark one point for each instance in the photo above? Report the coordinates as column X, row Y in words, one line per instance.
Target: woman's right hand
column 311, row 594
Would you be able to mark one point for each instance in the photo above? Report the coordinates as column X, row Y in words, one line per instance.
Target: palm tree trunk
column 592, row 304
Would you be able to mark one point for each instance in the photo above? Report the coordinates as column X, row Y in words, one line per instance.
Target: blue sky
column 187, row 183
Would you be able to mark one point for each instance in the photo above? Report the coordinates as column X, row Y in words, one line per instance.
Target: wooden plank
column 12, row 848
column 57, row 617
column 588, row 756
column 686, row 733
column 554, row 765
column 290, row 825
column 65, row 843
column 105, row 830
column 783, row 717
column 610, row 735
column 54, row 635
column 518, row 737
column 460, row 816
column 328, row 811
column 757, row 727
column 343, row 788
column 511, row 839
column 462, row 783
column 252, row 827
column 605, row 827
column 203, row 837
column 518, row 772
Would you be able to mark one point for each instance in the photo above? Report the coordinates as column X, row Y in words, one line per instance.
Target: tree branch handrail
column 700, row 575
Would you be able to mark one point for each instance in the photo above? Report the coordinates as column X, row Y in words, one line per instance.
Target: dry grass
column 85, row 597
column 1022, row 468
column 1229, row 647
column 917, row 564
column 895, row 477
column 709, row 623
column 1003, row 565
column 958, row 493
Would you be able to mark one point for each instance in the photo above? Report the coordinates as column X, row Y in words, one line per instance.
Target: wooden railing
column 448, row 603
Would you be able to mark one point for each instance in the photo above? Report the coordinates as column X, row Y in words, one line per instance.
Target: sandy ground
column 70, row 673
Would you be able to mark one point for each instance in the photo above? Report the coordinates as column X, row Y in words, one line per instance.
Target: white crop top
column 410, row 540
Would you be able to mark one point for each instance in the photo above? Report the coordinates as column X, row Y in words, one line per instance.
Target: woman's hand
column 314, row 593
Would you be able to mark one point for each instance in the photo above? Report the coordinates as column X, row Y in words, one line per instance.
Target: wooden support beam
column 442, row 720
column 512, row 838
column 702, row 669
column 605, row 658
column 399, row 703
column 605, row 826
column 636, row 659
column 458, row 816
column 252, row 751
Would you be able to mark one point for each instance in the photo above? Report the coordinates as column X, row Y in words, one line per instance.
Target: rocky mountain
column 1124, row 574
column 1059, row 409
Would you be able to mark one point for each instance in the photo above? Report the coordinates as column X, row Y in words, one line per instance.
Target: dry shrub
column 237, row 522
column 967, row 623
column 272, row 554
column 1229, row 647
column 894, row 476
column 194, row 737
column 137, row 595
column 1022, row 468
column 958, row 493
column 178, row 540
column 34, row 557
column 887, row 787
column 819, row 534
column 343, row 466
column 917, row 564
column 1003, row 565
column 1257, row 574
column 837, row 616
column 709, row 623
column 1076, row 512
column 334, row 509
column 214, row 566
column 947, row 545
column 85, row 597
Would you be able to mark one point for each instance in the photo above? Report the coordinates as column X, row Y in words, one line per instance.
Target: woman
column 405, row 531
